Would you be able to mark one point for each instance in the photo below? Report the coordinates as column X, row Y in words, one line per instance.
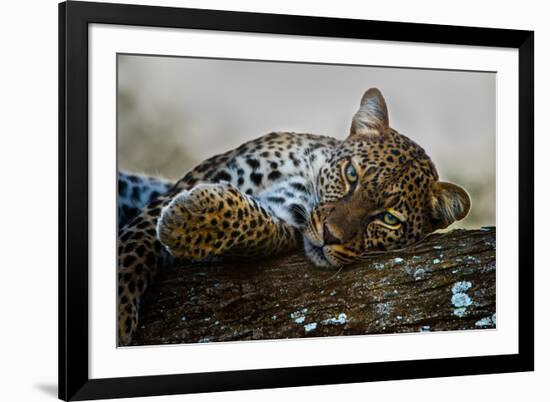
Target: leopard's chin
column 317, row 256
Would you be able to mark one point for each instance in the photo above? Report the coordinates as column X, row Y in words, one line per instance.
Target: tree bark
column 446, row 282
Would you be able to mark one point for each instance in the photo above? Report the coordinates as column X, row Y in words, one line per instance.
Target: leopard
column 338, row 200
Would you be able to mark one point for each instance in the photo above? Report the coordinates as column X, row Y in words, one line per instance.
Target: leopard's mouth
column 316, row 255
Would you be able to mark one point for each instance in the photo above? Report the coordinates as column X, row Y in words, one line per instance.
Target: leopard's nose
column 331, row 234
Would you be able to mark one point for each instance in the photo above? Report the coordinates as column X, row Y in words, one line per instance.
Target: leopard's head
column 378, row 191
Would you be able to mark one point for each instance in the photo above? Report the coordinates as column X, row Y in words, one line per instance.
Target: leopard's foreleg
column 218, row 220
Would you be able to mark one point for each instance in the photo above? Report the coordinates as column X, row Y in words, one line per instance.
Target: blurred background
column 174, row 112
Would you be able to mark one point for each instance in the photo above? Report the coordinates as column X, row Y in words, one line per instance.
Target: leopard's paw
column 196, row 224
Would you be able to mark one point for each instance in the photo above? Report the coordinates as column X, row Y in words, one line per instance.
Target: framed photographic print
column 258, row 200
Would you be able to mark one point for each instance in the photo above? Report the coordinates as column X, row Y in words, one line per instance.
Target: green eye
column 351, row 174
column 389, row 219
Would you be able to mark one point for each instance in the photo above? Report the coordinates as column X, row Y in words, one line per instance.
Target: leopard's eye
column 389, row 219
column 351, row 173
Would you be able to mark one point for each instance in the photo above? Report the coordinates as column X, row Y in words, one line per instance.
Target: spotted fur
column 376, row 190
column 135, row 192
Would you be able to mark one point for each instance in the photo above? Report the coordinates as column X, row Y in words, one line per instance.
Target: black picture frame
column 74, row 18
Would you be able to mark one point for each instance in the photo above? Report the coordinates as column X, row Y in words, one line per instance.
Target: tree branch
column 447, row 282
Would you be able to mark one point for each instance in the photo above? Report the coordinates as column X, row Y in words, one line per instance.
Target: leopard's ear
column 372, row 116
column 449, row 203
